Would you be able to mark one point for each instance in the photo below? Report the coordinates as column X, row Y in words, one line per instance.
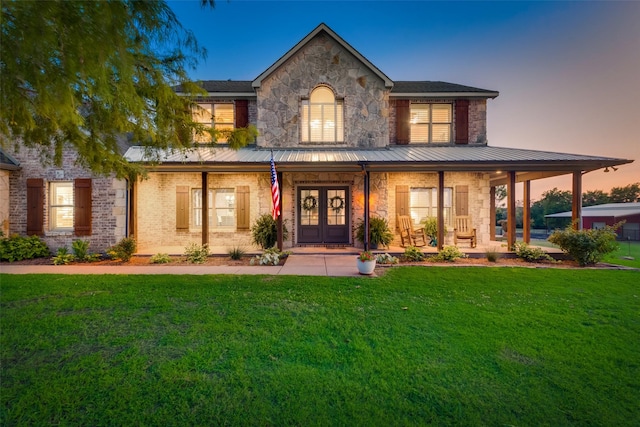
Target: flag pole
column 279, row 225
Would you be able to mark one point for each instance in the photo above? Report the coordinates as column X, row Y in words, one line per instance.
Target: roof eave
column 485, row 95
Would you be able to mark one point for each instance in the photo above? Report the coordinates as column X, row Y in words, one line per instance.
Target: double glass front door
column 323, row 214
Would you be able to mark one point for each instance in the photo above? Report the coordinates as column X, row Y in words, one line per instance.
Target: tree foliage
column 88, row 74
column 627, row 194
column 595, row 197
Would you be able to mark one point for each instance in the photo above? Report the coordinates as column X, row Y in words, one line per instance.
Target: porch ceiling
column 529, row 164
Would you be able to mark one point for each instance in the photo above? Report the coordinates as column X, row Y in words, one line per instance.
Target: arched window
column 322, row 117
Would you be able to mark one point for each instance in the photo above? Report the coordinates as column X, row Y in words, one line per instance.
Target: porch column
column 526, row 213
column 440, row 216
column 511, row 210
column 279, row 223
column 205, row 208
column 366, row 209
column 492, row 213
column 576, row 203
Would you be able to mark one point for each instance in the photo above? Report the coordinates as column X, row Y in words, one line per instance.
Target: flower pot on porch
column 366, row 267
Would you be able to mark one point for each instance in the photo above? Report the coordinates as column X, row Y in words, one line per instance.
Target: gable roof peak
column 322, row 27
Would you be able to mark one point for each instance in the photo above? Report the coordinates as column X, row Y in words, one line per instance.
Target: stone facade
column 109, row 200
column 323, row 61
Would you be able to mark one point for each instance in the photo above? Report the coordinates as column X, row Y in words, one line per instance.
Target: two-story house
column 344, row 137
column 348, row 143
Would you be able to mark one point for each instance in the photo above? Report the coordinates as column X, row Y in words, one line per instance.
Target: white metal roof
column 400, row 157
column 615, row 210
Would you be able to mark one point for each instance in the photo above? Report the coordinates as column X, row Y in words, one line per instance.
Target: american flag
column 275, row 191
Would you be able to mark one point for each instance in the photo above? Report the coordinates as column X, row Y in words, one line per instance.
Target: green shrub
column 587, row 246
column 530, row 254
column 160, row 258
column 264, row 232
column 17, row 248
column 123, row 250
column 386, row 259
column 271, row 256
column 379, row 232
column 236, row 253
column 196, row 254
column 492, row 255
column 431, row 227
column 63, row 257
column 411, row 253
column 449, row 254
column 80, row 249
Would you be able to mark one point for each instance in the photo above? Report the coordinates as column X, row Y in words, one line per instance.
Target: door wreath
column 336, row 203
column 309, row 203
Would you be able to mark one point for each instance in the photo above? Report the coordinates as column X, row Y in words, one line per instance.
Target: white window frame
column 59, row 202
column 217, row 208
column 421, row 116
column 431, row 204
column 322, row 120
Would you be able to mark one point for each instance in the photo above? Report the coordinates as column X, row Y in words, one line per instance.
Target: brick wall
column 4, row 201
column 156, row 209
column 108, row 201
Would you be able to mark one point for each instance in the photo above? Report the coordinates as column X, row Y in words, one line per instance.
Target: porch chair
column 464, row 231
column 414, row 237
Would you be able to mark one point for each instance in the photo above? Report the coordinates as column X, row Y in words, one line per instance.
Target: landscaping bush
column 63, row 257
column 236, row 253
column 264, row 232
column 386, row 259
column 271, row 256
column 587, row 246
column 160, row 258
column 80, row 249
column 196, row 254
column 449, row 253
column 492, row 255
column 529, row 253
column 123, row 250
column 17, row 248
column 411, row 253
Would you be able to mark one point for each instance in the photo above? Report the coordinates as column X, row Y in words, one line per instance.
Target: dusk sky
column 568, row 73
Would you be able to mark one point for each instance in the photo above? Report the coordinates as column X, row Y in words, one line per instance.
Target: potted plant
column 379, row 232
column 430, row 226
column 366, row 262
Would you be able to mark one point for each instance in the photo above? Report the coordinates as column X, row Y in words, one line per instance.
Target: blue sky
column 568, row 73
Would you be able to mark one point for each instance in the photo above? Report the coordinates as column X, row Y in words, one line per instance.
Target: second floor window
column 217, row 116
column 430, row 123
column 322, row 117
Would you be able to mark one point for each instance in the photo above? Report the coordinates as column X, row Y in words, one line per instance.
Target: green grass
column 417, row 346
column 625, row 249
column 618, row 257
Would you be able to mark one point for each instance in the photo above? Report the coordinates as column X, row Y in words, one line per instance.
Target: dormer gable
column 320, row 29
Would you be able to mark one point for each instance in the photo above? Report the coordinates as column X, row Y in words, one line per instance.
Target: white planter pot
column 366, row 267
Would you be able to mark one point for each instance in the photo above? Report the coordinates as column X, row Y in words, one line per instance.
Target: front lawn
column 417, row 346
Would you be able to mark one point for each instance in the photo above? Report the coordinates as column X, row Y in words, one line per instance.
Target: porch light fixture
column 606, row 170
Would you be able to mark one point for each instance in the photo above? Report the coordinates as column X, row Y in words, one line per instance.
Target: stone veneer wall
column 479, row 200
column 109, row 201
column 156, row 209
column 477, row 119
column 323, row 61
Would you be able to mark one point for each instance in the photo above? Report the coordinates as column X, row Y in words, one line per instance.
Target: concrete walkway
column 300, row 265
